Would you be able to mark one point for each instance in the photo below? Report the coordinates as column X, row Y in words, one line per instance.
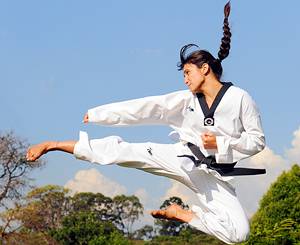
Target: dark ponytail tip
column 227, row 9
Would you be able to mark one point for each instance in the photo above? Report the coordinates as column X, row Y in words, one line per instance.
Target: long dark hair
column 199, row 57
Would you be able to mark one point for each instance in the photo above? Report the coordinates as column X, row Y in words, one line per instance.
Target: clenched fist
column 209, row 140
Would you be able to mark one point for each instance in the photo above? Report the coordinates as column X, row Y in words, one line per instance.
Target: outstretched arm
column 164, row 109
column 36, row 151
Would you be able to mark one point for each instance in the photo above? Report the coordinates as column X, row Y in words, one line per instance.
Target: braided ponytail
column 225, row 42
column 200, row 56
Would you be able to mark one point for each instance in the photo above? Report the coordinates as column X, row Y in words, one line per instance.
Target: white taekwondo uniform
column 239, row 135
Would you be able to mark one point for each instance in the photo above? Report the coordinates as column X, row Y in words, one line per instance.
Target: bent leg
column 219, row 213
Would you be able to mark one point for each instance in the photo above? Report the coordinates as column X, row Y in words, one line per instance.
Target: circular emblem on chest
column 209, row 121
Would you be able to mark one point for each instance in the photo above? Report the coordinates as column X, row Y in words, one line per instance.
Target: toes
column 158, row 214
column 154, row 213
column 30, row 157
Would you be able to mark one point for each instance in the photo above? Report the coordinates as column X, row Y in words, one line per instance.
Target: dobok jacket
column 237, row 122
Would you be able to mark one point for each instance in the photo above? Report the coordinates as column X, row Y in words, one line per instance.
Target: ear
column 205, row 68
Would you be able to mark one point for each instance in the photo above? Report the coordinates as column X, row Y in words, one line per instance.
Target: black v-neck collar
column 209, row 112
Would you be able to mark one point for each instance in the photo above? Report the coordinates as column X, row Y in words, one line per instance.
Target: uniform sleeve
column 163, row 109
column 251, row 140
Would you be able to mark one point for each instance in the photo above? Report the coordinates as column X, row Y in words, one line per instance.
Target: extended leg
column 219, row 212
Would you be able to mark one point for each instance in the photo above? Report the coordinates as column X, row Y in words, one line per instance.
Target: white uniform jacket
column 237, row 123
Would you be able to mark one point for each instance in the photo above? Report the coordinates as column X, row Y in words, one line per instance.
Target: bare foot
column 173, row 212
column 36, row 151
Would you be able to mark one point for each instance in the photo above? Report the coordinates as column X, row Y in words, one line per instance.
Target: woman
column 217, row 125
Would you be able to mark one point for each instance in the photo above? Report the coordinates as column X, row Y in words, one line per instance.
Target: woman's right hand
column 86, row 118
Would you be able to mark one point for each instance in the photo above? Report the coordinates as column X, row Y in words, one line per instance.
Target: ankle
column 51, row 145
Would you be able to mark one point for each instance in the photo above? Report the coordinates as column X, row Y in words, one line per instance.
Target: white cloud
column 142, row 195
column 293, row 154
column 250, row 189
column 179, row 190
column 147, row 201
column 266, row 158
column 93, row 181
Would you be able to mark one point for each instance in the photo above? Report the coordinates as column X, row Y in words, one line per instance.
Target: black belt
column 224, row 169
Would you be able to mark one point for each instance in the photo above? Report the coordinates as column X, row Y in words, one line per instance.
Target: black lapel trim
column 209, row 112
column 203, row 104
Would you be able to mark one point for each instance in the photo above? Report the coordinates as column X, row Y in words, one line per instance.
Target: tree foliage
column 85, row 228
column 187, row 236
column 14, row 168
column 45, row 208
column 97, row 203
column 42, row 210
column 146, row 232
column 122, row 210
column 128, row 209
column 278, row 219
column 51, row 208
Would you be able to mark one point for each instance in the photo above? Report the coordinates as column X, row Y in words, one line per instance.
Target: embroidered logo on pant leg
column 149, row 149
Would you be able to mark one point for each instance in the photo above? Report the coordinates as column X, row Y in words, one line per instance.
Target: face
column 194, row 77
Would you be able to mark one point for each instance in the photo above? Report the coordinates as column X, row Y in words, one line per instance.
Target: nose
column 186, row 81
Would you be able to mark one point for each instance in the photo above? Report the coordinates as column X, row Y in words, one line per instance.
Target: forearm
column 232, row 150
column 66, row 146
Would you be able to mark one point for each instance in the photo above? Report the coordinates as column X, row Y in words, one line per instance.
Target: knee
column 241, row 234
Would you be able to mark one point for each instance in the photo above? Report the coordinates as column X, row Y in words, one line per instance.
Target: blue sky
column 60, row 58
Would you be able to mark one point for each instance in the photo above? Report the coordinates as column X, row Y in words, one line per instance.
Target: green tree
column 14, row 168
column 277, row 220
column 97, row 203
column 122, row 210
column 86, row 229
column 147, row 232
column 14, row 180
column 45, row 208
column 188, row 236
column 128, row 208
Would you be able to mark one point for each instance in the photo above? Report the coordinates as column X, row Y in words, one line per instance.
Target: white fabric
column 239, row 135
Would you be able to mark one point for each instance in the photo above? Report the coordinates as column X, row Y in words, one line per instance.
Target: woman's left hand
column 209, row 140
column 86, row 118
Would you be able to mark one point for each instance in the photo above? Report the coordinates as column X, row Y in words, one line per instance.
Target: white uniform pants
column 219, row 214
